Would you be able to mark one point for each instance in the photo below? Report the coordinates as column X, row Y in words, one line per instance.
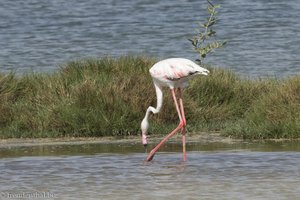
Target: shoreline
column 193, row 137
column 201, row 137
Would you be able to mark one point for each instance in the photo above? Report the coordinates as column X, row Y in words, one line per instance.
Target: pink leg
column 180, row 126
column 183, row 131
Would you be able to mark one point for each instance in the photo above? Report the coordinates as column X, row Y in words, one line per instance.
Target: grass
column 276, row 114
column 109, row 97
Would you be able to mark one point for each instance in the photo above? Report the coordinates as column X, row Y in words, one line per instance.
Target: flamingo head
column 144, row 128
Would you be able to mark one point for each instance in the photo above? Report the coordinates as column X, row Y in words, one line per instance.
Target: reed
column 109, row 96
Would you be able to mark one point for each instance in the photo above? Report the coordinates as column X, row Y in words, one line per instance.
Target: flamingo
column 175, row 74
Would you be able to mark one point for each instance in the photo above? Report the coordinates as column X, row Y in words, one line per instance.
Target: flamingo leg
column 179, row 127
column 183, row 130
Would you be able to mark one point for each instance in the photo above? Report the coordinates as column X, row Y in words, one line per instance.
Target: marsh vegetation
column 108, row 96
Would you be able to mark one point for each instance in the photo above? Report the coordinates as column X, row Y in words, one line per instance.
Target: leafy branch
column 200, row 41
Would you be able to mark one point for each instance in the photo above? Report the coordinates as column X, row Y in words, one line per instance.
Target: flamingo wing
column 173, row 69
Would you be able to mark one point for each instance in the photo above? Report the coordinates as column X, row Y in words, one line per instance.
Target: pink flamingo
column 175, row 74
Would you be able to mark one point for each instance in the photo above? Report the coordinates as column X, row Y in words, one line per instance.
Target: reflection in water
column 91, row 172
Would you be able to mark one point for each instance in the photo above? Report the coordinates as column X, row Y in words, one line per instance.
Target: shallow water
column 118, row 171
column 263, row 36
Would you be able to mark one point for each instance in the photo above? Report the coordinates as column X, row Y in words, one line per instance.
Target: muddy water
column 118, row 171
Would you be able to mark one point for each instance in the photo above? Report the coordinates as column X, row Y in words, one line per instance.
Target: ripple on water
column 262, row 36
column 213, row 175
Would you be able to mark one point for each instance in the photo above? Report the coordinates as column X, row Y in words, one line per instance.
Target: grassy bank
column 103, row 97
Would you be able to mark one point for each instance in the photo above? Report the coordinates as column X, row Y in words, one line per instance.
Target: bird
column 174, row 73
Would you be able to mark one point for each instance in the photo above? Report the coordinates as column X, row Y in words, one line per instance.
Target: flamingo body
column 175, row 74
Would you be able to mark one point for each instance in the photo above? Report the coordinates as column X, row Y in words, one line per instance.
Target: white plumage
column 175, row 72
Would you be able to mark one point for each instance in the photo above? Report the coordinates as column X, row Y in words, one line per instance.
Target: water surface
column 263, row 36
column 118, row 171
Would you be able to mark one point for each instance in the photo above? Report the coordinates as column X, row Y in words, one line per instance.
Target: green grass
column 109, row 96
column 275, row 114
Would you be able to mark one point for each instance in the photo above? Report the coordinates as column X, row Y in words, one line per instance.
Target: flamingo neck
column 145, row 121
column 159, row 98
